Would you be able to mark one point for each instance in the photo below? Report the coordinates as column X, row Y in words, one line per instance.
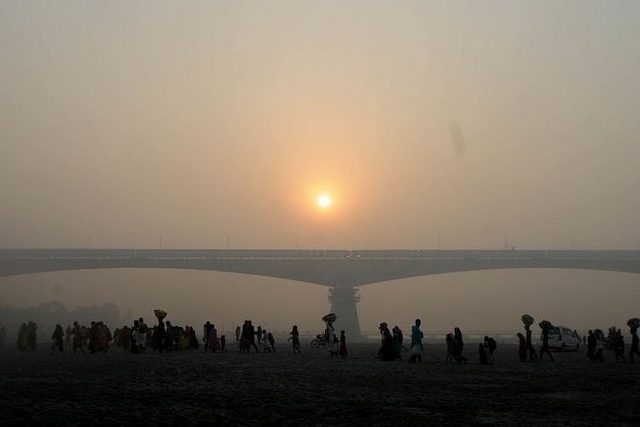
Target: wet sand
column 190, row 387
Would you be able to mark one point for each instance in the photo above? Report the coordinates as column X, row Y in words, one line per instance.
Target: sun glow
column 324, row 201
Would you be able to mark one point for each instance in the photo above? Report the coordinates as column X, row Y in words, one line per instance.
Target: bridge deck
column 283, row 254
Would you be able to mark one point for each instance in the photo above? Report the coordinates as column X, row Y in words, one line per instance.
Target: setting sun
column 324, row 201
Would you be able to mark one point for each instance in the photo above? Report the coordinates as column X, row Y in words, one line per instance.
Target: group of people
column 597, row 342
column 392, row 343
column 337, row 346
column 96, row 338
column 27, row 336
column 455, row 347
column 164, row 336
column 259, row 339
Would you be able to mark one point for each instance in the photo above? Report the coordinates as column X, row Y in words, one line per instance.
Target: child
column 343, row 346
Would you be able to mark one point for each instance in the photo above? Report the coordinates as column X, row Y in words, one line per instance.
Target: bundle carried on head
column 160, row 314
column 634, row 322
column 545, row 324
column 331, row 317
column 527, row 319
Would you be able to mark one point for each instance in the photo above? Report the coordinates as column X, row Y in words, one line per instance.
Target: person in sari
column 386, row 352
column 458, row 347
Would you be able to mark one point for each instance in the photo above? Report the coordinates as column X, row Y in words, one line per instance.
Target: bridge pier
column 343, row 303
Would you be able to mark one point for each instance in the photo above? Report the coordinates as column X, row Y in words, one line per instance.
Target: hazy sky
column 189, row 122
column 202, row 124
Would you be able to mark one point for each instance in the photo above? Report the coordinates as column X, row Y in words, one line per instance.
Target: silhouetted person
column 386, row 349
column 618, row 346
column 591, row 346
column 599, row 354
column 207, row 333
column 22, row 338
column 634, row 344
column 251, row 336
column 213, row 341
column 491, row 347
column 141, row 339
column 532, row 352
column 169, row 337
column 259, row 335
column 159, row 336
column 330, row 338
column 522, row 347
column 457, row 345
column 272, row 341
column 450, row 347
column 58, row 339
column 396, row 334
column 77, row 338
column 295, row 339
column 544, row 348
column 343, row 345
column 416, row 342
column 32, row 330
column 482, row 353
column 134, row 337
column 243, row 344
column 223, row 343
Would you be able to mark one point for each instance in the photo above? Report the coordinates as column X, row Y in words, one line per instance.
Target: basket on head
column 545, row 324
column 633, row 323
column 160, row 314
column 331, row 317
column 527, row 319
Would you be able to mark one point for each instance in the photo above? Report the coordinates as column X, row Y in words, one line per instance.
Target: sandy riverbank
column 189, row 388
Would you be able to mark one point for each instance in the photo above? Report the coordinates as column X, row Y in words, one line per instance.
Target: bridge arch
column 342, row 272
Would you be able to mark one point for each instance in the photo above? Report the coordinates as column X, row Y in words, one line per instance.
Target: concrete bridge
column 343, row 271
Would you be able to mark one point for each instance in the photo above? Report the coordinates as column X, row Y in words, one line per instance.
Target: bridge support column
column 343, row 303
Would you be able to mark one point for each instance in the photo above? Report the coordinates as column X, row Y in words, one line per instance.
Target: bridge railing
column 312, row 254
